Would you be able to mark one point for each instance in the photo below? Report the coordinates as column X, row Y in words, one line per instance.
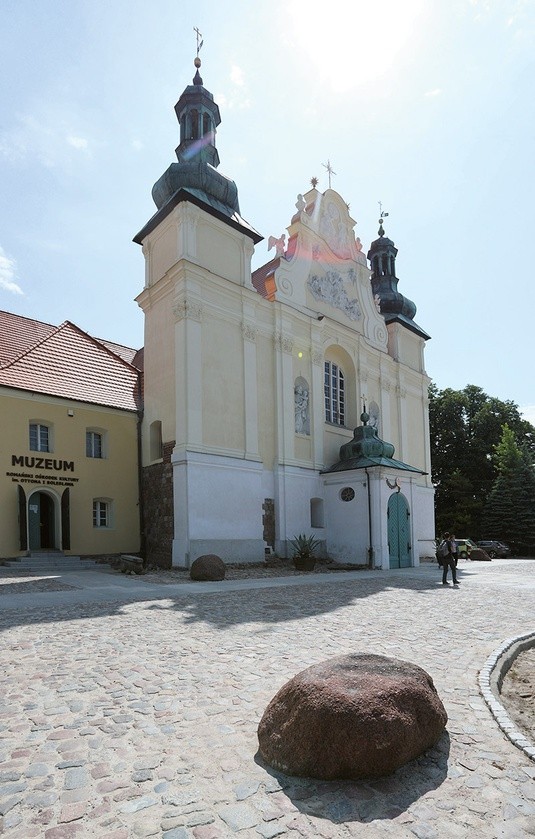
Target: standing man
column 448, row 560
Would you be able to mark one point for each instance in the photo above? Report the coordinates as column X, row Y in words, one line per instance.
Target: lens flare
column 198, row 145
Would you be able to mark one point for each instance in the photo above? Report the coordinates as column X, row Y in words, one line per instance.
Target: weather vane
column 200, row 40
column 330, row 170
column 382, row 218
column 383, row 215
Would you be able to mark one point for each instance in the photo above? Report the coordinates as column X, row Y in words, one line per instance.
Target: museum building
column 273, row 401
column 70, row 425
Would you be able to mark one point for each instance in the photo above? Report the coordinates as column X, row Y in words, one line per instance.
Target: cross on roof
column 330, row 170
column 200, row 40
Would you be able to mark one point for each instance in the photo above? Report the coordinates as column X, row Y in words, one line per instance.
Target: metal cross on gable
column 330, row 170
column 200, row 40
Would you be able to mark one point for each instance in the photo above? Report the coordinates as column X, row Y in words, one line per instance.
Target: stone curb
column 491, row 678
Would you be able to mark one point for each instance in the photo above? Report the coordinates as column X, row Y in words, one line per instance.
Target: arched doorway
column 42, row 522
column 399, row 534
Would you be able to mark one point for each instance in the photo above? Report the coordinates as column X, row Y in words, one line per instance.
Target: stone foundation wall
column 158, row 515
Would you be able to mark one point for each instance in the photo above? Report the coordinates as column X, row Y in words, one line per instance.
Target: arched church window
column 334, row 387
column 205, row 124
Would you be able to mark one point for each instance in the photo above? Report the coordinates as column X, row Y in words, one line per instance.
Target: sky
column 425, row 107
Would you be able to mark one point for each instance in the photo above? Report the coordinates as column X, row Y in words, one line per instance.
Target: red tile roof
column 263, row 279
column 126, row 353
column 18, row 334
column 64, row 361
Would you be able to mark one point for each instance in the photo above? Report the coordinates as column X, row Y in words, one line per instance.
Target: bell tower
column 197, row 386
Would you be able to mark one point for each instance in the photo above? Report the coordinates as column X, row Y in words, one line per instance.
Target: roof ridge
column 28, row 350
column 25, row 317
column 99, row 343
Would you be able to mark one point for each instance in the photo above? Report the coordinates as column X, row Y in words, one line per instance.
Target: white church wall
column 424, row 521
column 346, row 521
column 223, row 497
column 294, row 490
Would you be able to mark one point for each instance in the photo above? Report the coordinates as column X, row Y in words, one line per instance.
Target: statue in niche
column 301, row 407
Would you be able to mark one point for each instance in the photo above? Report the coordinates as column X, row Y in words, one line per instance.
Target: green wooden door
column 399, row 542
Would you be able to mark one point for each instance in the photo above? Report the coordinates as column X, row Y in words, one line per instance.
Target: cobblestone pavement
column 137, row 717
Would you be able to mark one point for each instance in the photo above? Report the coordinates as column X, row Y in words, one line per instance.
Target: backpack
column 442, row 551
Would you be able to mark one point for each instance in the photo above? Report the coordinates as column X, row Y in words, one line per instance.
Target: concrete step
column 50, row 563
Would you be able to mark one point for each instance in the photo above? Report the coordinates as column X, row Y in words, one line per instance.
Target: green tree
column 509, row 513
column 465, row 426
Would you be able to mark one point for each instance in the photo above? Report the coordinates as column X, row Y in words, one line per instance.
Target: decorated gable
column 323, row 270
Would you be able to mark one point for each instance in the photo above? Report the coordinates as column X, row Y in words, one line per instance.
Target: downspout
column 370, row 548
column 142, row 543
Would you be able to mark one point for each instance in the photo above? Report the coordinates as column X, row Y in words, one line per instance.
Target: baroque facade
column 268, row 395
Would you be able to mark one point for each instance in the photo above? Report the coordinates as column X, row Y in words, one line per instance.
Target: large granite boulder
column 207, row 567
column 355, row 716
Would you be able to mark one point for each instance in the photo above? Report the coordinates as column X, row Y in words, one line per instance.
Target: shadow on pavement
column 286, row 603
column 365, row 801
column 67, row 597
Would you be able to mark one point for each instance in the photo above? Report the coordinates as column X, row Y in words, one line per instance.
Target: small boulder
column 207, row 567
column 354, row 716
column 479, row 555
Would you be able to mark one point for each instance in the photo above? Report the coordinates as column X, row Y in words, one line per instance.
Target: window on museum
column 101, row 512
column 334, row 394
column 94, row 444
column 39, row 437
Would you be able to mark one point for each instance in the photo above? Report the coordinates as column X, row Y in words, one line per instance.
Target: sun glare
column 352, row 43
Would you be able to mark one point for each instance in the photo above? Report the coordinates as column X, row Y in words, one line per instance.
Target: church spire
column 198, row 117
column 198, row 159
column 382, row 256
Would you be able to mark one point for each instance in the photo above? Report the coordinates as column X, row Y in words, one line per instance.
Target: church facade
column 269, row 404
column 275, row 400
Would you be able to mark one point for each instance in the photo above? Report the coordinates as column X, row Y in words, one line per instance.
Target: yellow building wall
column 267, row 403
column 223, row 409
column 113, row 477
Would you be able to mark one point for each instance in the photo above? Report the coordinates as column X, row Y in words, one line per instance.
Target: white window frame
column 102, row 513
column 334, row 391
column 91, row 449
column 43, row 441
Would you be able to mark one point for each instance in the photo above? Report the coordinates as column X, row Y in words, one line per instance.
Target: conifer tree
column 509, row 514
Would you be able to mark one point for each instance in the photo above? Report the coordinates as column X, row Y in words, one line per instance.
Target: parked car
column 465, row 548
column 495, row 549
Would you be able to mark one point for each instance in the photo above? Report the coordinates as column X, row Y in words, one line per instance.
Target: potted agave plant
column 303, row 556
